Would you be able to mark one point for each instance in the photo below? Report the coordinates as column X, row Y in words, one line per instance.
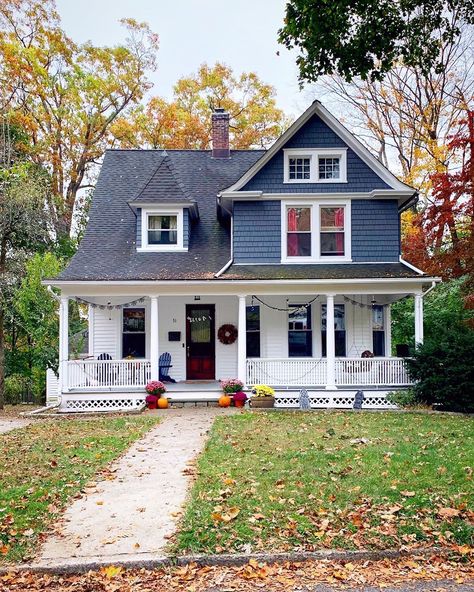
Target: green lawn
column 43, row 465
column 280, row 481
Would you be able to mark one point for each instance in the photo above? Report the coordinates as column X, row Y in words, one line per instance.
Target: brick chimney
column 220, row 133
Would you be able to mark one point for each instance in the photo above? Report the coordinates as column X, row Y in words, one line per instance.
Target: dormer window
column 162, row 229
column 315, row 165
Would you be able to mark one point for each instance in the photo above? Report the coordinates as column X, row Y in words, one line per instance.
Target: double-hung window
column 378, row 330
column 298, row 235
column 133, row 333
column 253, row 331
column 331, row 231
column 163, row 229
column 300, row 333
column 316, row 231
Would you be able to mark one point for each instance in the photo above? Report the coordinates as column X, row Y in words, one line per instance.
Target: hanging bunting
column 360, row 304
column 110, row 306
column 292, row 309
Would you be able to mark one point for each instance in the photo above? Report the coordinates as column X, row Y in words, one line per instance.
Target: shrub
column 15, row 386
column 444, row 372
column 405, row 398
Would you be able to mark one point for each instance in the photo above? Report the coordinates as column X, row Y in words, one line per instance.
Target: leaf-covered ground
column 450, row 574
column 45, row 464
column 283, row 481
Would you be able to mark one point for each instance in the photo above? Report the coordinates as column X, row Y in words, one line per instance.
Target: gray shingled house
column 277, row 267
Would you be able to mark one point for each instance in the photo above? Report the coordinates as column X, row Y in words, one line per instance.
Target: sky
column 242, row 34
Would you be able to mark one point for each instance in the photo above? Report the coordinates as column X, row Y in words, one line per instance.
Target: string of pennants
column 109, row 305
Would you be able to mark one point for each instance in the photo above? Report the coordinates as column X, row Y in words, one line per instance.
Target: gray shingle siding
column 375, row 230
column 186, row 228
column 139, row 228
column 316, row 134
column 257, row 231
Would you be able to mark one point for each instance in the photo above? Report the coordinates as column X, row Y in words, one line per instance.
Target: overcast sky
column 242, row 33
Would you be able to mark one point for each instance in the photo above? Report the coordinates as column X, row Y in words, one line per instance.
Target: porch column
column 418, row 319
column 154, row 339
column 242, row 340
column 63, row 344
column 330, row 343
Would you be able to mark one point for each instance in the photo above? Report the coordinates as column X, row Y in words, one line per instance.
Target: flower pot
column 262, row 402
column 151, row 401
column 239, row 403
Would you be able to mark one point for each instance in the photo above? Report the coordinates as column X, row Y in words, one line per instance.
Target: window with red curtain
column 332, row 231
column 298, row 232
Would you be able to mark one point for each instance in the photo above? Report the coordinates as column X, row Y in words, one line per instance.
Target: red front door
column 200, row 342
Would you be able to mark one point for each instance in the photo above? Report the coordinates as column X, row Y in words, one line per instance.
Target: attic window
column 315, row 165
column 162, row 230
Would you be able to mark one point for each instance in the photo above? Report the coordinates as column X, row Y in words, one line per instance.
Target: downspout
column 231, row 260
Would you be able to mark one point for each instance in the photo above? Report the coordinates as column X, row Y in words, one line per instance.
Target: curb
column 224, row 560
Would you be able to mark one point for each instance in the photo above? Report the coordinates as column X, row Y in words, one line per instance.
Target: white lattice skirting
column 334, row 400
column 96, row 402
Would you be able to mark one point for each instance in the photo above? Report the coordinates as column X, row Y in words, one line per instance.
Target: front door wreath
column 227, row 334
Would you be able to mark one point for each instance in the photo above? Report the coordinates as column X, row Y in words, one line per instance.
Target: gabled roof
column 316, row 108
column 162, row 187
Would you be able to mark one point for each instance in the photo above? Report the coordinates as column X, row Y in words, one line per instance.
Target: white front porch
column 348, row 314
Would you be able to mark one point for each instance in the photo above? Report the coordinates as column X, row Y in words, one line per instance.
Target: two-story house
column 277, row 267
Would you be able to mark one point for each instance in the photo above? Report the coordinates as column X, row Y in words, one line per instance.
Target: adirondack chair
column 106, row 372
column 164, row 365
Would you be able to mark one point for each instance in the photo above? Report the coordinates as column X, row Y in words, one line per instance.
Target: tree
column 185, row 121
column 66, row 96
column 414, row 122
column 367, row 37
column 23, row 225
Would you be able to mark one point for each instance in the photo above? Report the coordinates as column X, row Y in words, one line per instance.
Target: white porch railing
column 371, row 372
column 107, row 374
column 286, row 372
column 295, row 372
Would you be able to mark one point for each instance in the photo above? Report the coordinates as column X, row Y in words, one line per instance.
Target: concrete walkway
column 7, row 424
column 132, row 515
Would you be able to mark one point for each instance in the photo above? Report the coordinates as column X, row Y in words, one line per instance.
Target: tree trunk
column 2, row 360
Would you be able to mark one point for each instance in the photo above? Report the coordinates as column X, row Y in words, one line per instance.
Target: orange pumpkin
column 162, row 403
column 225, row 401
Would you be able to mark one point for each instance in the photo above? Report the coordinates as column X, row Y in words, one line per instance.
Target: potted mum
column 230, row 387
column 154, row 390
column 239, row 398
column 262, row 396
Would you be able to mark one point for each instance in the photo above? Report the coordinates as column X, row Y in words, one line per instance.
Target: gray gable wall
column 316, row 134
column 374, row 225
column 257, row 231
column 375, row 230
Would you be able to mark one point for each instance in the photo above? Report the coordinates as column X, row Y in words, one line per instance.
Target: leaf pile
column 332, row 480
column 252, row 576
column 47, row 463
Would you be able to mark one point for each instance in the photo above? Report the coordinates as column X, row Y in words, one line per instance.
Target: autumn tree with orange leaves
column 66, row 95
column 185, row 121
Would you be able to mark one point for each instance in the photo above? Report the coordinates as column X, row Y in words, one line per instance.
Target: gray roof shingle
column 319, row 271
column 108, row 249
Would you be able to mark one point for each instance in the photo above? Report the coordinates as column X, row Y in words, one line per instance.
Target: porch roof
column 342, row 271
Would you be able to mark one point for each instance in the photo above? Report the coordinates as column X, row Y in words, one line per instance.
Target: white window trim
column 315, row 206
column 146, row 213
column 313, row 154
